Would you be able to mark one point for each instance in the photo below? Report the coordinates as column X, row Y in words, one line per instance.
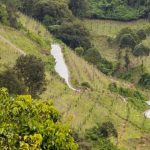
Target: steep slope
column 86, row 108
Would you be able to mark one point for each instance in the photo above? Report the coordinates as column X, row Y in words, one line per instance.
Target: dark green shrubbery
column 3, row 15
column 134, row 96
column 127, row 41
column 141, row 34
column 93, row 56
column 119, row 10
column 79, row 51
column 28, row 76
column 100, row 135
column 31, row 71
column 106, row 66
column 9, row 80
column 86, row 85
column 8, row 13
column 127, row 38
column 79, row 7
column 141, row 50
column 49, row 12
column 74, row 35
column 145, row 81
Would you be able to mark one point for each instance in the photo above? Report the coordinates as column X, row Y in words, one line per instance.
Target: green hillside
column 107, row 110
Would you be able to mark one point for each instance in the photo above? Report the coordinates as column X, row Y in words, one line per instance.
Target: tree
column 145, row 81
column 93, row 56
column 127, row 38
column 127, row 41
column 107, row 129
column 9, row 80
column 27, row 6
column 141, row 34
column 74, row 35
column 141, row 50
column 11, row 7
column 52, row 12
column 79, row 51
column 26, row 124
column 79, row 7
column 31, row 71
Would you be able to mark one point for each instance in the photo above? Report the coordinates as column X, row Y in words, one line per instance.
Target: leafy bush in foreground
column 32, row 124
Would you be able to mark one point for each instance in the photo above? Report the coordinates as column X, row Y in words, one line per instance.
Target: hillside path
column 12, row 45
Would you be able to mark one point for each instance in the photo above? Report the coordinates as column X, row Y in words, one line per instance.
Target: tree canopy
column 27, row 124
column 31, row 71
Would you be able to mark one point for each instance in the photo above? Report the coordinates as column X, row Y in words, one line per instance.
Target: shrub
column 106, row 130
column 127, row 38
column 145, row 81
column 135, row 97
column 86, row 85
column 51, row 12
column 141, row 34
column 3, row 15
column 106, row 66
column 31, row 70
column 9, row 80
column 93, row 56
column 127, row 41
column 79, row 7
column 79, row 51
column 74, row 35
column 32, row 124
column 141, row 50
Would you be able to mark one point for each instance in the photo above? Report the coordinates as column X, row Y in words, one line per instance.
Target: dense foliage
column 120, row 9
column 145, row 81
column 100, row 135
column 74, row 35
column 137, row 98
column 31, row 124
column 31, row 71
column 8, row 13
column 49, row 12
column 141, row 50
column 10, row 80
column 79, row 7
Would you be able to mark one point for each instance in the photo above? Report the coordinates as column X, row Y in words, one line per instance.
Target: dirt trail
column 12, row 45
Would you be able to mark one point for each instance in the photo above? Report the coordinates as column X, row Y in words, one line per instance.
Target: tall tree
column 141, row 51
column 31, row 71
column 11, row 7
column 79, row 7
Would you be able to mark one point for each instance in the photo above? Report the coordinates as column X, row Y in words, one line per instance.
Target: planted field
column 111, row 28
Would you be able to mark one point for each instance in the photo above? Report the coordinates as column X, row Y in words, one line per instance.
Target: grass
column 7, row 55
column 110, row 27
column 85, row 109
